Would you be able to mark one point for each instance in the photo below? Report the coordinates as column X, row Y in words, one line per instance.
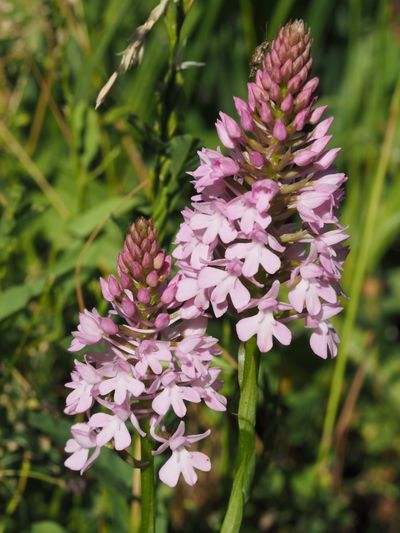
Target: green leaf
column 56, row 429
column 180, row 150
column 92, row 138
column 16, row 298
column 46, row 526
column 84, row 223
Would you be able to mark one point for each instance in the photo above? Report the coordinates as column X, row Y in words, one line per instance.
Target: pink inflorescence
column 145, row 362
column 262, row 237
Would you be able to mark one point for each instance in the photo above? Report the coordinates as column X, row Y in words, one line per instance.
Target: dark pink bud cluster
column 262, row 238
column 147, row 363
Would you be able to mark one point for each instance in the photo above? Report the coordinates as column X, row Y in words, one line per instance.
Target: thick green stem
column 147, row 487
column 245, row 458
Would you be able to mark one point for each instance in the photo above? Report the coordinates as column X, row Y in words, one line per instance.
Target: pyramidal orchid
column 141, row 363
column 262, row 238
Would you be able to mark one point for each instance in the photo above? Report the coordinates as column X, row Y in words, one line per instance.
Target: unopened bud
column 113, row 286
column 108, row 326
column 128, row 307
column 143, row 296
column 125, row 280
column 105, row 290
column 137, row 270
column 158, row 260
column 162, row 321
column 152, row 279
column 147, row 261
column 279, row 131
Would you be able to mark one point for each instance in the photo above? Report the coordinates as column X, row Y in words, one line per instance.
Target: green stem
column 360, row 270
column 245, row 459
column 147, row 486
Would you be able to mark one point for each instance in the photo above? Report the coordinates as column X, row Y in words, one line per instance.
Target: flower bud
column 137, row 270
column 158, row 261
column 143, row 296
column 147, row 261
column 152, row 279
column 108, row 326
column 279, row 131
column 125, row 280
column 105, row 290
column 162, row 321
column 128, row 307
column 113, row 285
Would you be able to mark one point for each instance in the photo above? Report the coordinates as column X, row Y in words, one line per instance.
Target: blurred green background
column 72, row 179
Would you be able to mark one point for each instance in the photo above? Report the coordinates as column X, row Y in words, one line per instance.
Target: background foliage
column 72, row 180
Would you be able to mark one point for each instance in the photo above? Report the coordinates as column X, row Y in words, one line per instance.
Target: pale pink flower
column 89, row 330
column 182, row 461
column 151, row 354
column 263, row 324
column 224, row 282
column 212, row 222
column 255, row 253
column 84, row 440
column 173, row 395
column 112, row 427
column 120, row 379
column 84, row 379
column 214, row 167
column 311, row 289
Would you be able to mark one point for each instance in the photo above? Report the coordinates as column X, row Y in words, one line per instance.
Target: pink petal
column 189, row 473
column 99, row 420
column 239, row 294
column 297, row 296
column 251, row 262
column 210, row 277
column 319, row 345
column 313, row 303
column 77, row 459
column 106, row 434
column 270, row 261
column 187, row 288
column 282, row 333
column 169, row 473
column 201, row 461
column 247, row 327
column 122, row 438
column 162, row 402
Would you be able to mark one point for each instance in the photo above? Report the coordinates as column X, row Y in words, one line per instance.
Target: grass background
column 72, row 180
